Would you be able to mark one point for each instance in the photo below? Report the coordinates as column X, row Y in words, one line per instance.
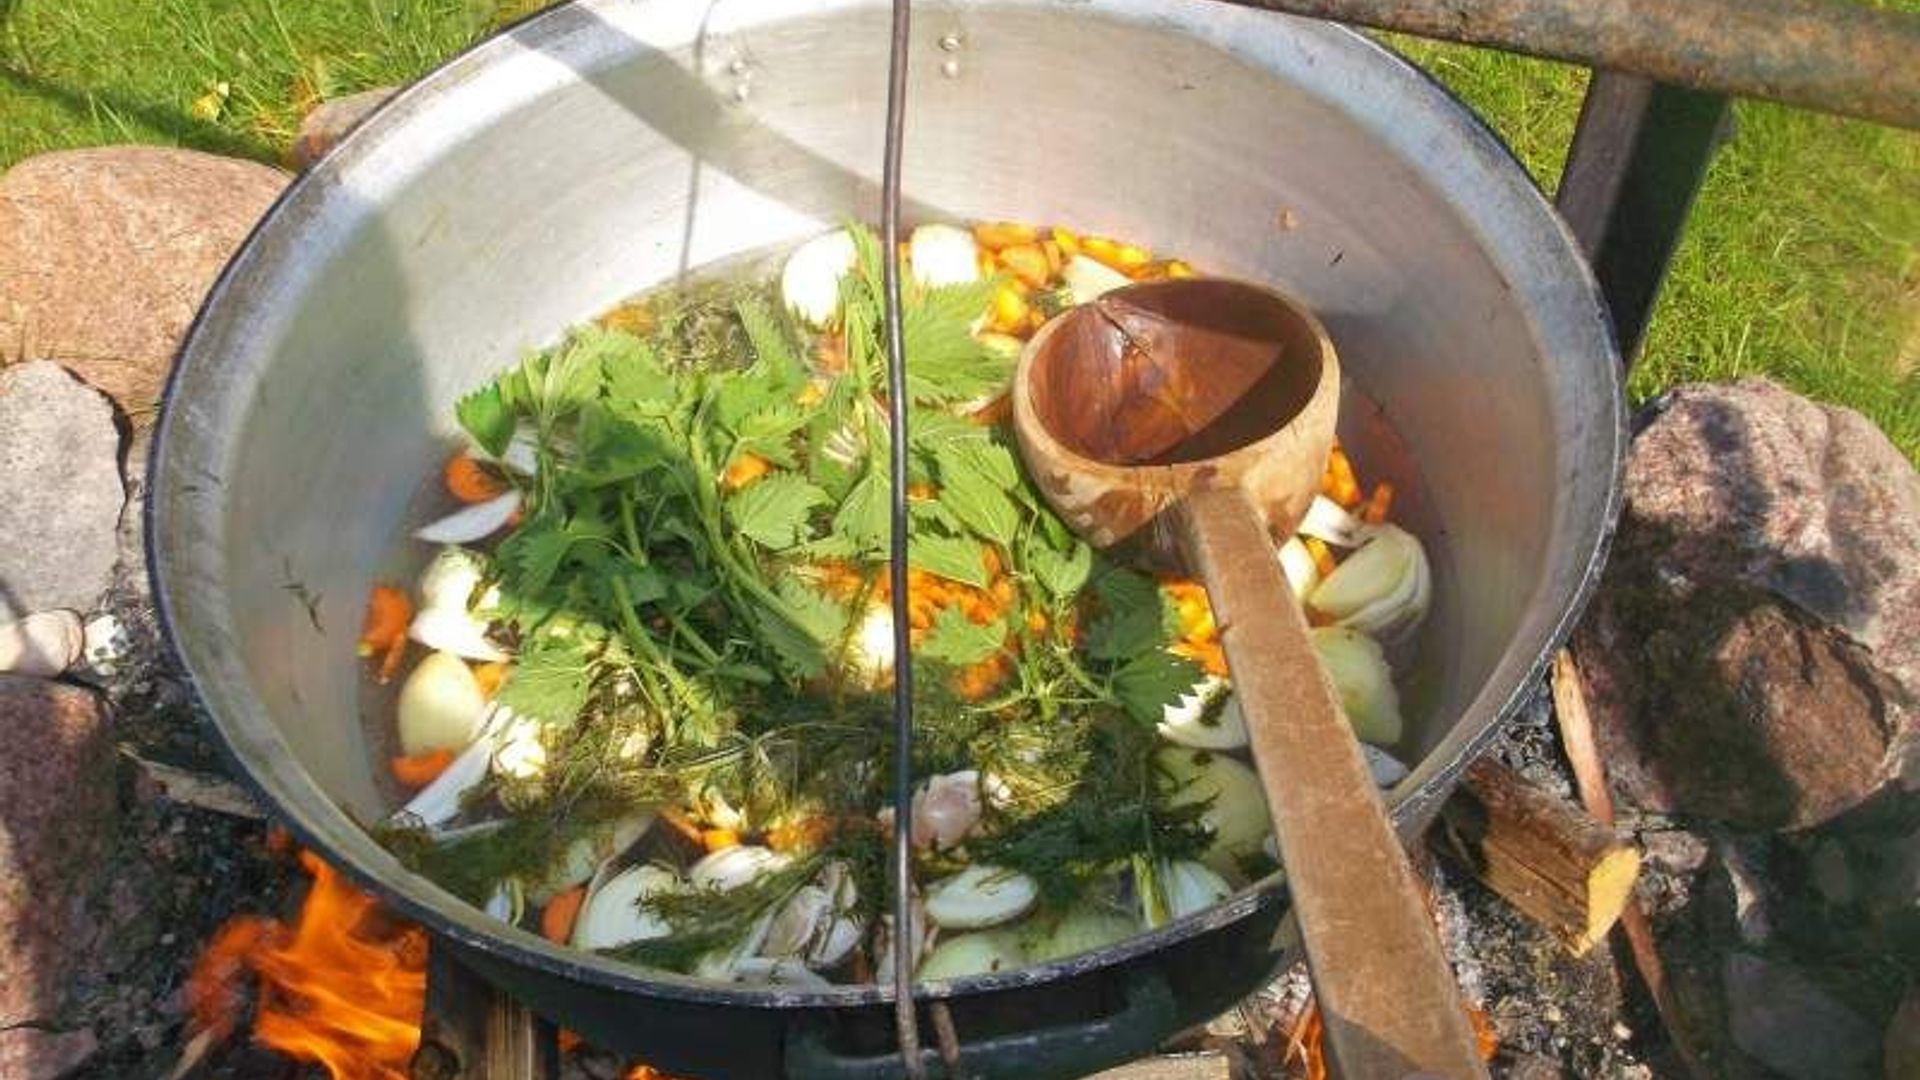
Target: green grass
column 1802, row 261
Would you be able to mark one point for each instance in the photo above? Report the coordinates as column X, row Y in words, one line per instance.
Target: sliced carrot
column 1028, row 262
column 1056, row 259
column 994, row 235
column 419, row 770
column 556, row 922
column 383, row 632
column 719, row 839
column 471, row 481
column 977, row 681
column 802, row 834
column 1378, row 504
column 744, row 470
column 1322, row 555
column 490, row 676
column 1339, row 483
column 1068, row 241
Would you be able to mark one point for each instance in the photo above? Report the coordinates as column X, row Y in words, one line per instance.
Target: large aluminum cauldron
column 611, row 145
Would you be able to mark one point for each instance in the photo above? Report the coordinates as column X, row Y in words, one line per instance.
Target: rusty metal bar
column 1835, row 57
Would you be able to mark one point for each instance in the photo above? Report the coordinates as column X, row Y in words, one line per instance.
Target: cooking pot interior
column 610, row 146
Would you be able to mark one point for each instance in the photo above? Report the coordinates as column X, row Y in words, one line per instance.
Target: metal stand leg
column 1637, row 161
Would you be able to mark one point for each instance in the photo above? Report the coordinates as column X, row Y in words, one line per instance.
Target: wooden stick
column 471, row 1031
column 1544, row 855
column 1207, row 1065
column 1590, row 780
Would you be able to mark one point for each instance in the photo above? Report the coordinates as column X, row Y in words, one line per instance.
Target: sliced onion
column 1329, row 521
column 943, row 255
column 507, row 902
column 1387, row 770
column 1298, row 564
column 1189, row 886
column 613, row 915
column 730, row 868
column 440, row 801
column 981, row 895
column 441, row 706
column 1383, row 588
column 522, row 454
column 476, row 522
column 1237, row 814
column 451, row 578
column 1358, row 669
column 1082, row 929
column 810, row 281
column 1088, row 279
column 454, row 632
column 590, row 854
column 1207, row 718
column 974, row 954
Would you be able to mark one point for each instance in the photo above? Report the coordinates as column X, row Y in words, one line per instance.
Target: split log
column 470, row 1031
column 1544, row 855
column 1207, row 1065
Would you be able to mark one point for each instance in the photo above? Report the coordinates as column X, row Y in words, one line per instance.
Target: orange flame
column 344, row 986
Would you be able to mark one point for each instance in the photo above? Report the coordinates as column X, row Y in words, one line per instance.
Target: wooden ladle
column 1187, row 423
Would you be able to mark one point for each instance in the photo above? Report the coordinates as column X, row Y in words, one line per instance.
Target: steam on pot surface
column 642, row 681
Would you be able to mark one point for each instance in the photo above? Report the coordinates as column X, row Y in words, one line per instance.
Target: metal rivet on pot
column 950, row 42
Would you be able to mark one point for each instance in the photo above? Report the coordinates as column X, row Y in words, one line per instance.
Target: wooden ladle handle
column 1386, row 992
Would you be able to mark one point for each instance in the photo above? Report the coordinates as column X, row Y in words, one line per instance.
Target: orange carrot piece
column 1028, row 262
column 1322, row 555
column 383, row 632
column 744, row 470
column 556, row 922
column 490, row 676
column 418, row 770
column 994, row 235
column 719, row 839
column 1345, row 488
column 1378, row 504
column 471, row 481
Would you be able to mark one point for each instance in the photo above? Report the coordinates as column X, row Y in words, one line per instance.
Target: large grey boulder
column 1754, row 651
column 60, row 492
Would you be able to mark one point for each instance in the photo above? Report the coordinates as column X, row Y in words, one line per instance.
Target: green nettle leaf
column 485, row 415
column 612, row 448
column 553, row 677
column 773, row 511
column 958, row 640
column 952, row 557
column 1132, row 617
column 864, row 518
column 971, row 487
column 1062, row 575
column 635, row 382
column 772, row 348
column 800, row 633
column 1145, row 685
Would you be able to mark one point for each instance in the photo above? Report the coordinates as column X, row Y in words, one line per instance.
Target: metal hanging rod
column 1834, row 57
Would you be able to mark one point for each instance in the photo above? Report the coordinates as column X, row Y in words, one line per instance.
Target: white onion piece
column 590, row 853
column 451, row 578
column 454, row 632
column 522, row 454
column 1387, row 770
column 946, row 810
column 980, row 896
column 1237, row 816
column 1328, row 520
column 1298, row 564
column 441, row 706
column 1360, row 675
column 612, row 915
column 1188, row 886
column 439, row 802
column 1206, row 718
column 730, row 868
column 943, row 255
column 796, row 922
column 810, row 281
column 973, row 954
column 507, row 902
column 1383, row 588
column 723, row 964
column 522, row 754
column 476, row 522
column 1082, row 929
column 1088, row 280
column 919, row 936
